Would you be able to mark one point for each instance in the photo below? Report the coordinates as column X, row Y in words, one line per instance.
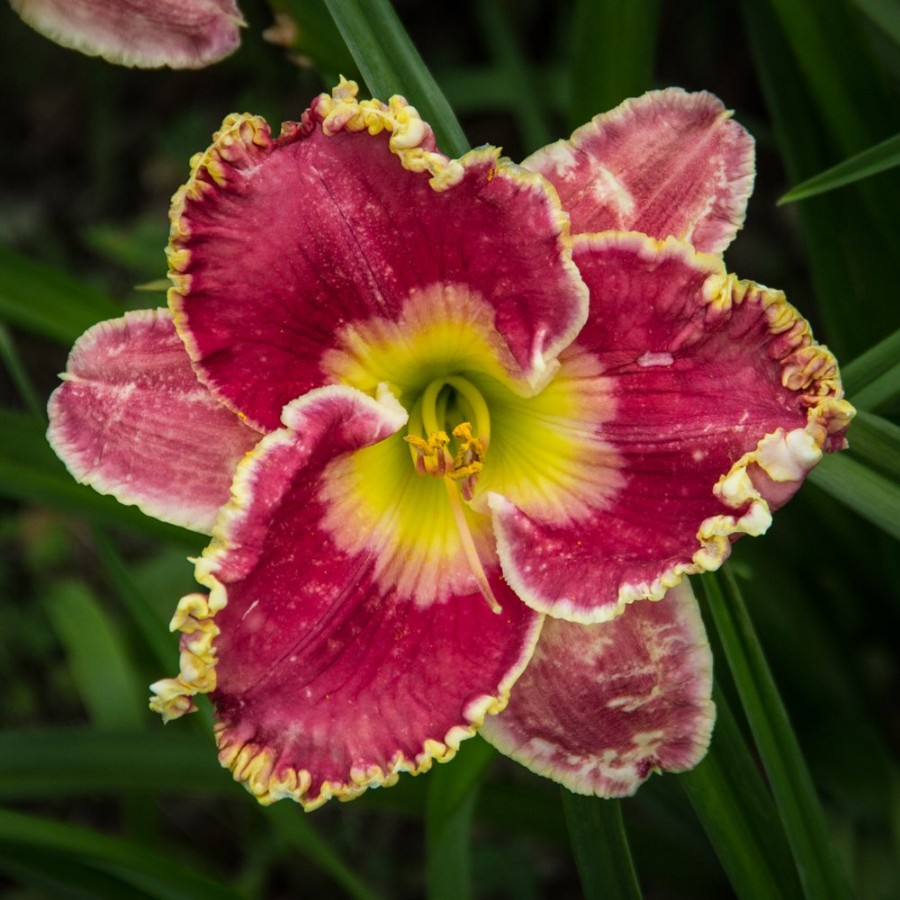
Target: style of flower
column 447, row 421
column 182, row 34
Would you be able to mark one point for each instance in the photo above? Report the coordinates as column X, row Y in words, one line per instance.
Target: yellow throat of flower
column 457, row 457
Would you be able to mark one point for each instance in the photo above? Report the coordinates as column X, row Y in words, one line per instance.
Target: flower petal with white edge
column 282, row 246
column 665, row 163
column 183, row 34
column 327, row 679
column 131, row 420
column 602, row 707
column 722, row 403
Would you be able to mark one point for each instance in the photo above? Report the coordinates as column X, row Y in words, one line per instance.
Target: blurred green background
column 96, row 798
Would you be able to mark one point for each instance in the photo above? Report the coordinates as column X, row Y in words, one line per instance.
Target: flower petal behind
column 183, row 34
column 282, row 247
column 132, row 420
column 601, row 707
column 722, row 404
column 666, row 163
column 328, row 678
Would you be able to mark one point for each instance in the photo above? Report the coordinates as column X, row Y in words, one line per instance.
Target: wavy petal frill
column 283, row 247
column 183, row 34
column 602, row 707
column 329, row 671
column 720, row 404
column 668, row 163
column 131, row 420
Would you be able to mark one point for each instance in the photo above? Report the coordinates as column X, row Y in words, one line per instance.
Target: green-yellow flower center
column 444, row 443
column 442, row 438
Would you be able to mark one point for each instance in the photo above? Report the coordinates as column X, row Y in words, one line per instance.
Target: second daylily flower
column 440, row 442
column 183, row 34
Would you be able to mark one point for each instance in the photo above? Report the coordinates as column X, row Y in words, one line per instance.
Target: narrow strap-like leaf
column 300, row 833
column 99, row 662
column 821, row 875
column 883, row 13
column 20, row 377
column 151, row 628
column 390, row 64
column 147, row 872
column 613, row 45
column 870, row 162
column 69, row 762
column 876, row 442
column 864, row 490
column 738, row 814
column 43, row 301
column 871, row 366
column 452, row 794
column 600, row 844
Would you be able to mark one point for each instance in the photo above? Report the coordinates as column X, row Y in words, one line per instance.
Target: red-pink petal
column 666, row 163
column 602, row 707
column 719, row 403
column 328, row 679
column 280, row 245
column 132, row 420
column 183, row 34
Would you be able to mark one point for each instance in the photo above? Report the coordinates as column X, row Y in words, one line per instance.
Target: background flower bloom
column 458, row 419
column 183, row 34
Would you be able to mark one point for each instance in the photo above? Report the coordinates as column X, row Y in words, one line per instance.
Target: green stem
column 600, row 845
column 821, row 877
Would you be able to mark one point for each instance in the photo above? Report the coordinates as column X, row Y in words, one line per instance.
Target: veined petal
column 602, row 707
column 723, row 403
column 183, row 34
column 131, row 420
column 331, row 671
column 666, row 163
column 282, row 249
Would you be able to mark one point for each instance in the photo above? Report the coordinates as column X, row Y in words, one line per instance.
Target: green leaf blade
column 600, row 845
column 612, row 54
column 39, row 299
column 821, row 877
column 879, row 158
column 736, row 810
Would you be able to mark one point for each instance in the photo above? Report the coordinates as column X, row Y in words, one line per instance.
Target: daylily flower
column 183, row 34
column 447, row 421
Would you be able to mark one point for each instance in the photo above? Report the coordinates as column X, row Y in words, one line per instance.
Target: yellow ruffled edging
column 173, row 697
column 808, row 368
column 341, row 111
column 239, row 136
column 253, row 764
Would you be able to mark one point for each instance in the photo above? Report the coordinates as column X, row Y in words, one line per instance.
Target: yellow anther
column 431, row 457
column 469, row 460
column 452, row 395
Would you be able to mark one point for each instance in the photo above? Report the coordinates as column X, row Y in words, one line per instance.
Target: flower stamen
column 444, row 398
column 432, row 455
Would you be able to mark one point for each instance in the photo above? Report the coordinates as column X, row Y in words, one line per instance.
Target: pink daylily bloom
column 182, row 34
column 447, row 421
